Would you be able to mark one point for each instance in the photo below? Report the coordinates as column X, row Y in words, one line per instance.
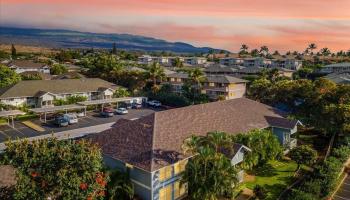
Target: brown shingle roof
column 27, row 64
column 225, row 79
column 155, row 140
column 31, row 88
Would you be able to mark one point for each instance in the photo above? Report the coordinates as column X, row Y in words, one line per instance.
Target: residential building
column 176, row 80
column 215, row 86
column 195, row 60
column 339, row 77
column 20, row 66
column 145, row 59
column 290, row 64
column 218, row 69
column 149, row 148
column 230, row 61
column 42, row 93
column 224, row 87
column 335, row 68
column 257, row 62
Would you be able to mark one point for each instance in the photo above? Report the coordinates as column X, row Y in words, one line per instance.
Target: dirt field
column 27, row 49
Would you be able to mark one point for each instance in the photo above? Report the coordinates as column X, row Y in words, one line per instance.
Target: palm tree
column 244, row 49
column 312, row 47
column 196, row 77
column 264, row 50
column 209, row 175
column 325, row 51
column 120, row 186
column 154, row 73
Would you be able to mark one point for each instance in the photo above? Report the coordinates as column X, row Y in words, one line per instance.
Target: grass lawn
column 275, row 177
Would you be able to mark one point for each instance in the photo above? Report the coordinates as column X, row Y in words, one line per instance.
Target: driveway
column 91, row 119
column 344, row 191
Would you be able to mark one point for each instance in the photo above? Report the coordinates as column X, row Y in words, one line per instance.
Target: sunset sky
column 279, row 24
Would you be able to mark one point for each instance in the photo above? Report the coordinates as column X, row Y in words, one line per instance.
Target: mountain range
column 57, row 38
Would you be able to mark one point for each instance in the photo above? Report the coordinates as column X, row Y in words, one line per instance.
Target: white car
column 154, row 103
column 80, row 114
column 122, row 111
column 71, row 117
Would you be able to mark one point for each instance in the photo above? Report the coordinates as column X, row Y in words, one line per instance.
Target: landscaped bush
column 301, row 195
column 342, row 153
column 260, row 192
column 312, row 186
column 55, row 169
column 69, row 100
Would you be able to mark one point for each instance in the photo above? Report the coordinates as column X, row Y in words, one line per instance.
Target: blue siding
column 280, row 132
column 141, row 179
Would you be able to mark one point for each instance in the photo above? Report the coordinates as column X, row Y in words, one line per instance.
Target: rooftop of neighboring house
column 251, row 70
column 344, row 64
column 178, row 75
column 225, row 79
column 69, row 75
column 216, row 68
column 26, row 64
column 339, row 78
column 155, row 141
column 64, row 86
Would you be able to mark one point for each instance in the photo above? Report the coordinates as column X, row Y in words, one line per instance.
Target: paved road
column 344, row 191
column 92, row 119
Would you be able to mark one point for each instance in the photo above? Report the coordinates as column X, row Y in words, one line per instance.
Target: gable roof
column 26, row 64
column 225, row 79
column 154, row 141
column 344, row 64
column 339, row 78
column 64, row 86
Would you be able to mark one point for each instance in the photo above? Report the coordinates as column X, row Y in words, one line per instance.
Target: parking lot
column 91, row 119
column 344, row 191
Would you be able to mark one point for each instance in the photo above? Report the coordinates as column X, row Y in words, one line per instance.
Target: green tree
column 312, row 47
column 209, row 175
column 121, row 92
column 154, row 73
column 114, row 49
column 13, row 51
column 260, row 192
column 264, row 145
column 264, row 50
column 8, row 76
column 303, row 155
column 120, row 186
column 49, row 168
column 260, row 90
column 58, row 69
column 244, row 49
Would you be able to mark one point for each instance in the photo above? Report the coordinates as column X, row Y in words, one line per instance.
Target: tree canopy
column 8, row 76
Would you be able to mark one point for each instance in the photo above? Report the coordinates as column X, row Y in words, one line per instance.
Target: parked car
column 136, row 105
column 122, row 111
column 80, row 114
column 61, row 121
column 154, row 103
column 71, row 117
column 107, row 112
column 125, row 105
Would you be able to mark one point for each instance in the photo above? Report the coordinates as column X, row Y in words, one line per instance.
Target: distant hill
column 75, row 39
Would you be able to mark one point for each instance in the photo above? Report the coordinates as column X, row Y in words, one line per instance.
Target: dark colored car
column 61, row 121
column 136, row 105
column 107, row 112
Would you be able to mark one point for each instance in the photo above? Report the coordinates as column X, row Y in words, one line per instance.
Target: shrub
column 303, row 155
column 301, row 195
column 260, row 192
column 56, row 169
column 312, row 186
column 342, row 153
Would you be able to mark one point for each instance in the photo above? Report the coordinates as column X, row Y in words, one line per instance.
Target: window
column 165, row 193
column 165, row 173
column 212, row 84
column 180, row 166
column 172, row 79
column 179, row 189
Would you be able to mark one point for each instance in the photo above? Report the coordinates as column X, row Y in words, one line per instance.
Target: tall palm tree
column 264, row 50
column 325, row 51
column 244, row 47
column 154, row 73
column 312, row 47
column 120, row 186
column 196, row 77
